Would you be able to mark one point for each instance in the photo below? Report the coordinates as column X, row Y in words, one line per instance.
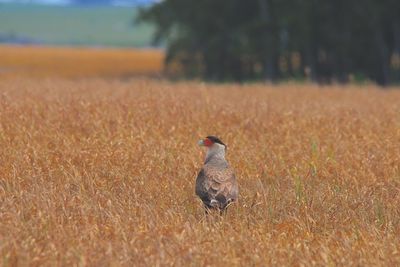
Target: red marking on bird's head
column 208, row 142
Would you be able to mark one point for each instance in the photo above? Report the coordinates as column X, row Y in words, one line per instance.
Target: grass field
column 98, row 26
column 101, row 171
column 37, row 61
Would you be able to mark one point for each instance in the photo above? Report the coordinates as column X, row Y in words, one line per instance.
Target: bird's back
column 216, row 184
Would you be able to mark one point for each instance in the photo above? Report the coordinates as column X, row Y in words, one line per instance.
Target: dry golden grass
column 36, row 61
column 101, row 173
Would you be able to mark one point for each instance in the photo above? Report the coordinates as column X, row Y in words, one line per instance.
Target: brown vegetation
column 36, row 61
column 101, row 172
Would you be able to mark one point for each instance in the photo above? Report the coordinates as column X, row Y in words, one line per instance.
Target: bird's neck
column 216, row 151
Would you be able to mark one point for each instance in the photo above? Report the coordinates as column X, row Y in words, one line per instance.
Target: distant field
column 36, row 61
column 100, row 26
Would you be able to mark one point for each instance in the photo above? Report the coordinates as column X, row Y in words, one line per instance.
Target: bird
column 216, row 183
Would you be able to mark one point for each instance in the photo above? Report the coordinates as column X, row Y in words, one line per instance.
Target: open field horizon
column 100, row 172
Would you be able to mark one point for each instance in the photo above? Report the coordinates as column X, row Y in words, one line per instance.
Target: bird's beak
column 200, row 142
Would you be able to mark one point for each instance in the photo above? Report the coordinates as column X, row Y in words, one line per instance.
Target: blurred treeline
column 322, row 40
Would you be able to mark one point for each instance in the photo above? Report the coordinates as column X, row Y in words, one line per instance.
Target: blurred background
column 74, row 22
column 322, row 41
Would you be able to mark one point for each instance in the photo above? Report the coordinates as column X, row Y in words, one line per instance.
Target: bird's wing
column 220, row 184
column 202, row 187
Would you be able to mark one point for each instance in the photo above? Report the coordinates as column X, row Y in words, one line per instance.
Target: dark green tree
column 264, row 39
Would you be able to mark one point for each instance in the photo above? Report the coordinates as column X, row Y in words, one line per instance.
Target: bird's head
column 212, row 142
column 215, row 147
